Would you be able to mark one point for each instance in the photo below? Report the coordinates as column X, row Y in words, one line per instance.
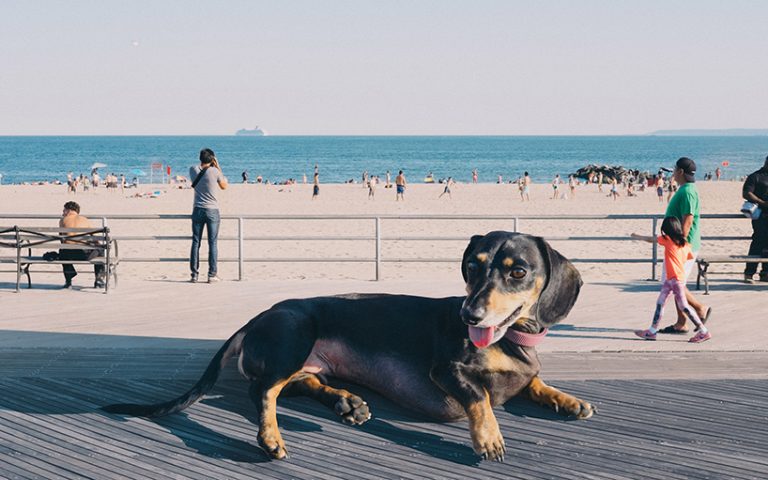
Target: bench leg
column 706, row 279
column 29, row 277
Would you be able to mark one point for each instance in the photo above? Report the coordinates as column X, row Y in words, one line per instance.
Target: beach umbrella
column 98, row 165
column 139, row 172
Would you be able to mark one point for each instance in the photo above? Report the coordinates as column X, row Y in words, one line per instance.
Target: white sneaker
column 214, row 279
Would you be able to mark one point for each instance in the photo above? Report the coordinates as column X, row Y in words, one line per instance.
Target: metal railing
column 378, row 237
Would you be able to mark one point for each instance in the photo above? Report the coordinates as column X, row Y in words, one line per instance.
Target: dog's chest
column 506, row 375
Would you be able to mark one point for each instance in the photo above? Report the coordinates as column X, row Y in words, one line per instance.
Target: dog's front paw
column 490, row 445
column 353, row 410
column 575, row 407
column 273, row 446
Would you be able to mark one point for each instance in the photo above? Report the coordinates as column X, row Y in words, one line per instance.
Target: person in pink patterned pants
column 676, row 252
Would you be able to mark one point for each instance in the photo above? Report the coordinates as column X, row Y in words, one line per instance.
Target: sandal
column 672, row 329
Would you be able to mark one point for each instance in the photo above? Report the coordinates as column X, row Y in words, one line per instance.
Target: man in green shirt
column 684, row 205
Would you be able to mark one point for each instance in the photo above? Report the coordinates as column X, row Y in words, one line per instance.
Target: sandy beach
column 471, row 200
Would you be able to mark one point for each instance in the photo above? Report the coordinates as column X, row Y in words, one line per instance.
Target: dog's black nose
column 472, row 316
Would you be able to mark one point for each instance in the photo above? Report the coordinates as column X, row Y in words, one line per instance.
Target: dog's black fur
column 414, row 350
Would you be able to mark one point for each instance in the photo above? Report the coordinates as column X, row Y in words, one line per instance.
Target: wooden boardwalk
column 657, row 429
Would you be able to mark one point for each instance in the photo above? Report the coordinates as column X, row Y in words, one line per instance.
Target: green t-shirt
column 686, row 202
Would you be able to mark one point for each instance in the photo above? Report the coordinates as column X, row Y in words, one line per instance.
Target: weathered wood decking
column 659, row 429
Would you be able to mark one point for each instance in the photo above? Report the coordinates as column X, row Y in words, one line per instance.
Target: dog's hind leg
column 547, row 396
column 264, row 396
column 351, row 408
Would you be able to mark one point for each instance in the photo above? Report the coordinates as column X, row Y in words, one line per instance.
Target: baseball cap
column 688, row 167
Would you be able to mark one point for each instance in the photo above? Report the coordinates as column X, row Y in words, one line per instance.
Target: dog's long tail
column 231, row 347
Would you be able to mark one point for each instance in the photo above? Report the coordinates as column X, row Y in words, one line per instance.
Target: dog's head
column 515, row 278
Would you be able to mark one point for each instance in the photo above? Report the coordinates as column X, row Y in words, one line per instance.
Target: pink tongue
column 481, row 337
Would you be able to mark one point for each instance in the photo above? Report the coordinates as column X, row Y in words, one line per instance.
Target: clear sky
column 381, row 67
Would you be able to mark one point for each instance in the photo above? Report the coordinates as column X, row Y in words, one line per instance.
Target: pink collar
column 525, row 339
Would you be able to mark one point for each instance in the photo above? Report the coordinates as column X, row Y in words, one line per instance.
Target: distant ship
column 256, row 132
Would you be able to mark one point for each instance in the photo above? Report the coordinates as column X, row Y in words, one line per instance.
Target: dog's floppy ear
column 561, row 288
column 467, row 251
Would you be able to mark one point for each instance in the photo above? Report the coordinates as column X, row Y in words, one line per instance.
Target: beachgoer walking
column 755, row 190
column 389, row 180
column 207, row 179
column 315, row 183
column 614, row 189
column 245, row 176
column 372, row 187
column 555, row 184
column 474, row 175
column 676, row 253
column 365, row 179
column 447, row 189
column 572, row 185
column 600, row 181
column 684, row 206
column 718, row 173
column 71, row 218
column 660, row 188
column 400, row 186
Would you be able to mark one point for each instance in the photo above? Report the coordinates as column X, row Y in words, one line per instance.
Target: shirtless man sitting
column 71, row 218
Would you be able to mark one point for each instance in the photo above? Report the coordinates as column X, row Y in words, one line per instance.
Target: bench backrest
column 52, row 237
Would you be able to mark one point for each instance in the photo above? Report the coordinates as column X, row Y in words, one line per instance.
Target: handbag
column 751, row 210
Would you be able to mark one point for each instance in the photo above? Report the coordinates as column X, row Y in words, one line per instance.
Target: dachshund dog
column 448, row 358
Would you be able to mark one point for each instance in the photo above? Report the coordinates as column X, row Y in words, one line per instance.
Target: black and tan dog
column 448, row 358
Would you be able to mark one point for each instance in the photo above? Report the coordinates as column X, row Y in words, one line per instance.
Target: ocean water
column 27, row 159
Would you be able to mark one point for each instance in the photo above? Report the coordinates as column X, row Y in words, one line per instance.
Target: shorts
column 660, row 191
column 400, row 189
column 525, row 189
column 688, row 267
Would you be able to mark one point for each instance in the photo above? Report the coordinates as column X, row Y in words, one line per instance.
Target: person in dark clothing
column 756, row 191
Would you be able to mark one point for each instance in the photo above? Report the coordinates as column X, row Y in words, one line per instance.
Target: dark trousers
column 210, row 219
column 69, row 270
column 759, row 245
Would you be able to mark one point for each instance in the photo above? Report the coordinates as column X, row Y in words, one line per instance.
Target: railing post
column 515, row 223
column 655, row 248
column 240, row 248
column 378, row 248
column 103, row 221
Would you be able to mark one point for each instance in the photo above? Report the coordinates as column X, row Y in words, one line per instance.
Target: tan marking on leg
column 269, row 433
column 484, row 430
column 351, row 408
column 558, row 401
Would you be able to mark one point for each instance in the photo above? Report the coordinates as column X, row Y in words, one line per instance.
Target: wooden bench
column 28, row 242
column 703, row 265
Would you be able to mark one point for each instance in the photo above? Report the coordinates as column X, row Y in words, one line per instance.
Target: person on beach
column 677, row 251
column 71, row 218
column 207, row 178
column 755, row 190
column 447, row 189
column 474, row 175
column 245, row 176
column 389, row 180
column 572, row 185
column 684, row 206
column 614, row 189
column 372, row 187
column 660, row 188
column 600, row 182
column 315, row 183
column 400, row 186
column 718, row 173
column 525, row 192
column 555, row 184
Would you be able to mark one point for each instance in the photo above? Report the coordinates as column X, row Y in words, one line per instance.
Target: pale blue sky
column 381, row 67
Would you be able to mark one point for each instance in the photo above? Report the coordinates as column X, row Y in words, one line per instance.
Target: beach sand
column 471, row 200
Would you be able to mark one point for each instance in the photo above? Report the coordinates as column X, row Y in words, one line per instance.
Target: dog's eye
column 471, row 268
column 517, row 273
